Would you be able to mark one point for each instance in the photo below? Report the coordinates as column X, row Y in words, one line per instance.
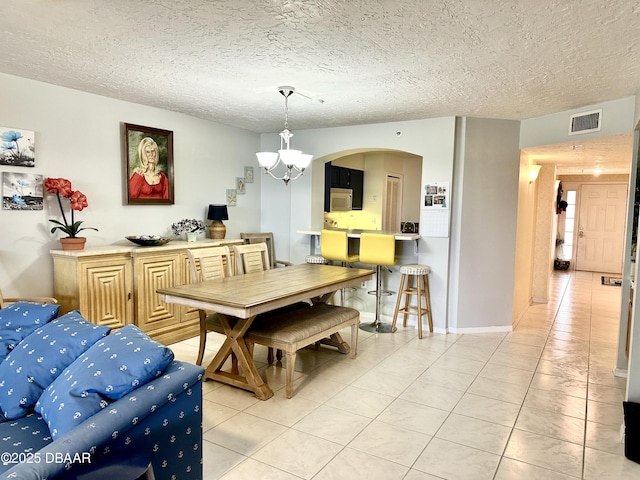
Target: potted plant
column 61, row 187
column 189, row 226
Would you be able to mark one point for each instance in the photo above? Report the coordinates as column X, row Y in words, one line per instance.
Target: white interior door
column 601, row 228
column 393, row 204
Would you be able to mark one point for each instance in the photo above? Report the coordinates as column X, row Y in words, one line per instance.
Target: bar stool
column 315, row 260
column 334, row 246
column 378, row 249
column 421, row 274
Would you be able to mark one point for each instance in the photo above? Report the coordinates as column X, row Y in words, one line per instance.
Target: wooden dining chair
column 251, row 258
column 266, row 238
column 206, row 264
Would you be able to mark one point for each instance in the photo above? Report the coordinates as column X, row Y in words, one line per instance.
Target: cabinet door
column 357, row 185
column 154, row 272
column 105, row 292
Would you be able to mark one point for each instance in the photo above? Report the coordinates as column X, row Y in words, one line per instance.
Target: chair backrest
column 209, row 263
column 334, row 245
column 5, row 302
column 251, row 258
column 267, row 238
column 377, row 248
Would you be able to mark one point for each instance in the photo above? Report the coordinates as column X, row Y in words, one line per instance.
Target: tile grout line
column 555, row 314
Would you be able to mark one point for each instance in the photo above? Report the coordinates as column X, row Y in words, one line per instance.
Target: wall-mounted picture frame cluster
column 240, row 187
column 148, row 165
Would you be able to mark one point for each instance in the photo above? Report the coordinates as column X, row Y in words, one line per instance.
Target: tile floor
column 538, row 403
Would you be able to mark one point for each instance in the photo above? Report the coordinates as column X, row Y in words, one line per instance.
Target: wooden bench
column 291, row 331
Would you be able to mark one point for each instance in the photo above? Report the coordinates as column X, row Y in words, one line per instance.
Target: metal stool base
column 376, row 327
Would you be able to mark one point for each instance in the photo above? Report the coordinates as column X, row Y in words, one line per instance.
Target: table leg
column 235, row 343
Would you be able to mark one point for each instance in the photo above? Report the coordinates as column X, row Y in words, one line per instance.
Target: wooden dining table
column 239, row 299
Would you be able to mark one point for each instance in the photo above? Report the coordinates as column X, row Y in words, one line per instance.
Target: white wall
column 78, row 136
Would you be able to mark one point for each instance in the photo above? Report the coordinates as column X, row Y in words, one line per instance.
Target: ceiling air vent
column 585, row 122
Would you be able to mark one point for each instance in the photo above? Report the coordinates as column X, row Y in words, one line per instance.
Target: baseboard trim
column 619, row 372
column 539, row 300
column 502, row 329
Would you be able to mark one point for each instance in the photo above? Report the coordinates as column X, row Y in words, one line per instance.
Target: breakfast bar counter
column 314, row 242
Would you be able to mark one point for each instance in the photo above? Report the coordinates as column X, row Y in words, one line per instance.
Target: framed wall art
column 148, row 165
column 21, row 191
column 248, row 174
column 240, row 187
column 18, row 147
column 232, row 199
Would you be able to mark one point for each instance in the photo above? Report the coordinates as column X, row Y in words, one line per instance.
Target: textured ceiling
column 611, row 154
column 369, row 60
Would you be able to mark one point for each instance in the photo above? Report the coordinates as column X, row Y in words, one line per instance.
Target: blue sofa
column 158, row 419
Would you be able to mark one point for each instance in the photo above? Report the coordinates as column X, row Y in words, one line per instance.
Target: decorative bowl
column 148, row 240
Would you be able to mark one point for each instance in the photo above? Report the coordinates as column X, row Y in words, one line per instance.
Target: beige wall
column 525, row 236
column 544, row 239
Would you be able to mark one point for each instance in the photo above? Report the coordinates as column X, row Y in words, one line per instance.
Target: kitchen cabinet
column 342, row 177
column 357, row 182
column 116, row 286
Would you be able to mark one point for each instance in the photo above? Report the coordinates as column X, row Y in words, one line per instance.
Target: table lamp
column 217, row 213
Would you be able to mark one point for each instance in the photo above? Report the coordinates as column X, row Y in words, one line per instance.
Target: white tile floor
column 538, row 403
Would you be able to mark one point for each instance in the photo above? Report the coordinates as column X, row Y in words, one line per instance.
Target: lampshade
column 218, row 212
column 534, row 170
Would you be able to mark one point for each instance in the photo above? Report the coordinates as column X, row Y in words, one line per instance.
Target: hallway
column 538, row 403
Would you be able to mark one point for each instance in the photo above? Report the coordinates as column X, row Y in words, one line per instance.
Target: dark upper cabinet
column 328, row 180
column 357, row 181
column 342, row 177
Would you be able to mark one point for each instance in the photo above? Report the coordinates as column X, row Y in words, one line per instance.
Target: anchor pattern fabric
column 40, row 358
column 106, row 372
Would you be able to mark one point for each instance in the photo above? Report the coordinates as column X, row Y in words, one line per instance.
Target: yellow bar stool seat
column 378, row 249
column 334, row 246
column 406, row 290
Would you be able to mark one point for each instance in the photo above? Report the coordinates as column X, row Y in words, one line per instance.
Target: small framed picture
column 148, row 165
column 21, row 191
column 18, row 147
column 248, row 174
column 240, row 185
column 231, row 197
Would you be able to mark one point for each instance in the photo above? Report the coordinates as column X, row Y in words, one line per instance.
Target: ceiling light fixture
column 294, row 160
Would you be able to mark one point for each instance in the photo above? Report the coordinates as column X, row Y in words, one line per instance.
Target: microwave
column 341, row 199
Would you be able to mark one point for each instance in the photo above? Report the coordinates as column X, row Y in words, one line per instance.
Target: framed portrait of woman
column 148, row 165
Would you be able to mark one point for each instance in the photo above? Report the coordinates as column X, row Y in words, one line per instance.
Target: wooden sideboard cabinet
column 116, row 286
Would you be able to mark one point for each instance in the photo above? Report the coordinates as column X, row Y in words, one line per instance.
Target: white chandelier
column 294, row 160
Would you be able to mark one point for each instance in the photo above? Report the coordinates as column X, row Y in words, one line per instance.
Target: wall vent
column 585, row 122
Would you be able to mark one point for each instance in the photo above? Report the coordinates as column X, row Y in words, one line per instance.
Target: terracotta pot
column 71, row 243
